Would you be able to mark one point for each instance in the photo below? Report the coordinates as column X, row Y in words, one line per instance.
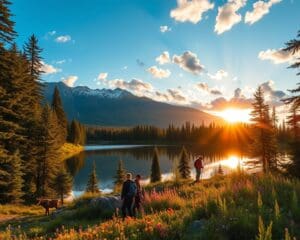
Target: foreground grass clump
column 238, row 206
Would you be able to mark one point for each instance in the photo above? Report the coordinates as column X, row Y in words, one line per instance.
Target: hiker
column 128, row 194
column 198, row 164
column 139, row 195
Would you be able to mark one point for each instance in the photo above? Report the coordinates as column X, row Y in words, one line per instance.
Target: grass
column 69, row 150
column 238, row 206
column 20, row 210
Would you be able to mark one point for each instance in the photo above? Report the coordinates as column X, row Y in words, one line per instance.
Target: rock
column 196, row 226
column 108, row 203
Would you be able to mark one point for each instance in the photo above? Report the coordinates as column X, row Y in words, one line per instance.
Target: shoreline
column 69, row 150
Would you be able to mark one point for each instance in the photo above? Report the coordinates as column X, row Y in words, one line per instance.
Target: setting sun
column 231, row 162
column 233, row 115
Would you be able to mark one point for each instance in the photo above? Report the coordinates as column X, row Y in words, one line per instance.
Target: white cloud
column 159, row 72
column 51, row 33
column 175, row 95
column 219, row 75
column 165, row 28
column 204, row 87
column 60, row 61
column 102, row 76
column 191, row 10
column 228, row 16
column 70, row 80
column 63, row 39
column 49, row 69
column 136, row 85
column 260, row 8
column 163, row 58
column 272, row 95
column 278, row 56
column 189, row 62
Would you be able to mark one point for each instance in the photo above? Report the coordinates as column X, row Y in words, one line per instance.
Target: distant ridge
column 119, row 107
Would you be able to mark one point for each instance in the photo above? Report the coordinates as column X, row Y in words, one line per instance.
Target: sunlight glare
column 235, row 115
column 231, row 162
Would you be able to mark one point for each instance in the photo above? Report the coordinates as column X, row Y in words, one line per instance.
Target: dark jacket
column 126, row 188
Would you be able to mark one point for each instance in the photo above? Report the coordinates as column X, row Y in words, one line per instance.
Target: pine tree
column 155, row 168
column 76, row 133
column 121, row 174
column 47, row 163
column 62, row 184
column 7, row 32
column 293, row 46
column 92, row 184
column 220, row 170
column 32, row 124
column 13, row 107
column 184, row 167
column 57, row 107
column 265, row 144
column 10, row 177
column 293, row 121
column 16, row 181
column 274, row 118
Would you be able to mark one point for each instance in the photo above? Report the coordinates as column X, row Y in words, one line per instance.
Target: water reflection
column 137, row 159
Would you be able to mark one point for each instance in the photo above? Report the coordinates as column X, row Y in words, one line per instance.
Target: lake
column 137, row 159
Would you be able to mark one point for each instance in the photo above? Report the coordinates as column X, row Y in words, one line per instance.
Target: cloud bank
column 227, row 15
column 159, row 72
column 260, row 8
column 191, row 10
column 278, row 56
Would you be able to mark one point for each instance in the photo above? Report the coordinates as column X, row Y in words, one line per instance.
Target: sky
column 208, row 54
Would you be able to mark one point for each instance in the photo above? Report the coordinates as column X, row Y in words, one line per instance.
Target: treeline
column 232, row 135
column 31, row 133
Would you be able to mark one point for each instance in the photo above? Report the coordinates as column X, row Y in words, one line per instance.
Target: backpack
column 132, row 189
column 198, row 163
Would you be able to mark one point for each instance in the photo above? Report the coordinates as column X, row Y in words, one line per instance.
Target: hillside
column 121, row 108
column 237, row 206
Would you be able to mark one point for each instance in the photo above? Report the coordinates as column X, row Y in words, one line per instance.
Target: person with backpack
column 198, row 164
column 128, row 194
column 139, row 195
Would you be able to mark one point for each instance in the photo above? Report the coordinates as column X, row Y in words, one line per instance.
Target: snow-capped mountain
column 119, row 107
column 101, row 93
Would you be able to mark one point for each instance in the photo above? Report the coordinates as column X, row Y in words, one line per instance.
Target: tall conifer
column 183, row 166
column 92, row 184
column 155, row 168
column 62, row 184
column 61, row 116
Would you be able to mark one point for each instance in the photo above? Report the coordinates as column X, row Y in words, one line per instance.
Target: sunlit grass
column 229, row 207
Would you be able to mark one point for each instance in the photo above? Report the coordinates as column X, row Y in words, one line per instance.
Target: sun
column 231, row 162
column 233, row 115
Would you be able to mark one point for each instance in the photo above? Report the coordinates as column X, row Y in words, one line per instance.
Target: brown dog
column 47, row 204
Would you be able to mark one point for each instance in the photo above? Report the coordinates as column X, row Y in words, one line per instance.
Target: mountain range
column 120, row 108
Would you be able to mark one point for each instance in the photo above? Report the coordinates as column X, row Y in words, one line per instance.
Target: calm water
column 137, row 159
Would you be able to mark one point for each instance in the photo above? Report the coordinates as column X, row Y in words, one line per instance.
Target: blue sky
column 115, row 43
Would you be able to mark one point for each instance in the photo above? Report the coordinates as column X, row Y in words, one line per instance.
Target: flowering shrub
column 157, row 201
